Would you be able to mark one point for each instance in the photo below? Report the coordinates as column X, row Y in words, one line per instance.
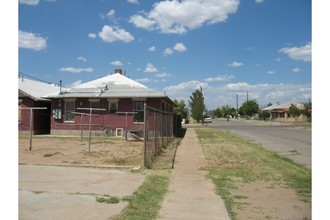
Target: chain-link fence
column 158, row 132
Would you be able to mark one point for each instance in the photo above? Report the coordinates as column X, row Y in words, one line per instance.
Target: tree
column 307, row 109
column 196, row 105
column 181, row 109
column 249, row 108
column 294, row 111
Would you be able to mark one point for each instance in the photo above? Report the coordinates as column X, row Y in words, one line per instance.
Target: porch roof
column 35, row 89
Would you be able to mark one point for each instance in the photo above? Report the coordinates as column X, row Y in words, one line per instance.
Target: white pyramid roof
column 114, row 79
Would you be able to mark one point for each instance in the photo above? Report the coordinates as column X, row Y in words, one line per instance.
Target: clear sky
column 255, row 49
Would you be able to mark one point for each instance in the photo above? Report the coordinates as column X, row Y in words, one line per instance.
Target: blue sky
column 228, row 47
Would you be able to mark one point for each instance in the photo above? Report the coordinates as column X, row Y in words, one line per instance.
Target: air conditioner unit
column 57, row 113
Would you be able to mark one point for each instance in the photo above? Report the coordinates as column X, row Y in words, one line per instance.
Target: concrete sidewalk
column 192, row 195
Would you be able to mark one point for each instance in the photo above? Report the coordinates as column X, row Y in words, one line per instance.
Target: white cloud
column 220, row 78
column 296, row 70
column 152, row 49
column 150, row 68
column 133, row 1
column 92, row 35
column 140, row 22
column 76, row 83
column 143, row 80
column 76, row 70
column 29, row 2
column 167, row 51
column 109, row 15
column 189, row 85
column 82, row 58
column 235, row 64
column 259, row 1
column 270, row 72
column 117, row 63
column 218, row 96
column 163, row 75
column 180, row 47
column 31, row 41
column 299, row 53
column 237, row 86
column 180, row 16
column 111, row 34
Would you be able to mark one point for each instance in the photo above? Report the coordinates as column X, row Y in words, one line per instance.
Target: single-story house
column 30, row 95
column 115, row 101
column 280, row 112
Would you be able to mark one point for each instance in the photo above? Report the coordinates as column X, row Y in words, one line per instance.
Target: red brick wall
column 41, row 117
column 101, row 119
column 24, row 119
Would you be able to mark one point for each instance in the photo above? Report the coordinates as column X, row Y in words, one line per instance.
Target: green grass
column 51, row 154
column 107, row 199
column 234, row 160
column 145, row 203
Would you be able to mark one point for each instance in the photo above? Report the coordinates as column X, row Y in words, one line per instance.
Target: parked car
column 207, row 119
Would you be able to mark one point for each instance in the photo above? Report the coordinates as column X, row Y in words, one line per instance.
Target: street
column 284, row 139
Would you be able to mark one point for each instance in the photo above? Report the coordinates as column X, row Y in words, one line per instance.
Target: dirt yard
column 259, row 200
column 104, row 151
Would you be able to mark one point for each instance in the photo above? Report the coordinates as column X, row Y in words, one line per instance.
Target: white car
column 207, row 119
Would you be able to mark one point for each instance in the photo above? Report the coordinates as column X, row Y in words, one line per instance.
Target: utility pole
column 247, row 96
column 236, row 102
column 202, row 101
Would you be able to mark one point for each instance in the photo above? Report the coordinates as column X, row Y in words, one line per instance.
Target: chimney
column 120, row 71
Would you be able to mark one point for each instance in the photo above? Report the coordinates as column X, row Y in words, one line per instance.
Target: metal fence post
column 145, row 135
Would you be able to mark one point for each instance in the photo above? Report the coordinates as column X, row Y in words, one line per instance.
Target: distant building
column 280, row 113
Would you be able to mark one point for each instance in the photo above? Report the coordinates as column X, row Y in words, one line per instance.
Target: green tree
column 294, row 110
column 249, row 108
column 181, row 109
column 307, row 110
column 196, row 105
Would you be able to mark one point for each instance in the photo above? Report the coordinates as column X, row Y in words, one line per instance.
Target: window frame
column 67, row 111
column 139, row 116
column 113, row 101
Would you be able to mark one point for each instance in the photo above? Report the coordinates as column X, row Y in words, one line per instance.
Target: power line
column 26, row 75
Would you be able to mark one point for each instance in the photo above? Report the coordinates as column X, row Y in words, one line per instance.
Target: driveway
column 59, row 192
column 283, row 139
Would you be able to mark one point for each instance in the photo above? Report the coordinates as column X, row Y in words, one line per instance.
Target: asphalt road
column 284, row 139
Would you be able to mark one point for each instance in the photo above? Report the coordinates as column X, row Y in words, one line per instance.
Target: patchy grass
column 233, row 160
column 107, row 199
column 51, row 154
column 146, row 201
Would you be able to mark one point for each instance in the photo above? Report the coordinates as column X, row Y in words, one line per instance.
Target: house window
column 139, row 109
column 113, row 107
column 68, row 111
column 94, row 103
